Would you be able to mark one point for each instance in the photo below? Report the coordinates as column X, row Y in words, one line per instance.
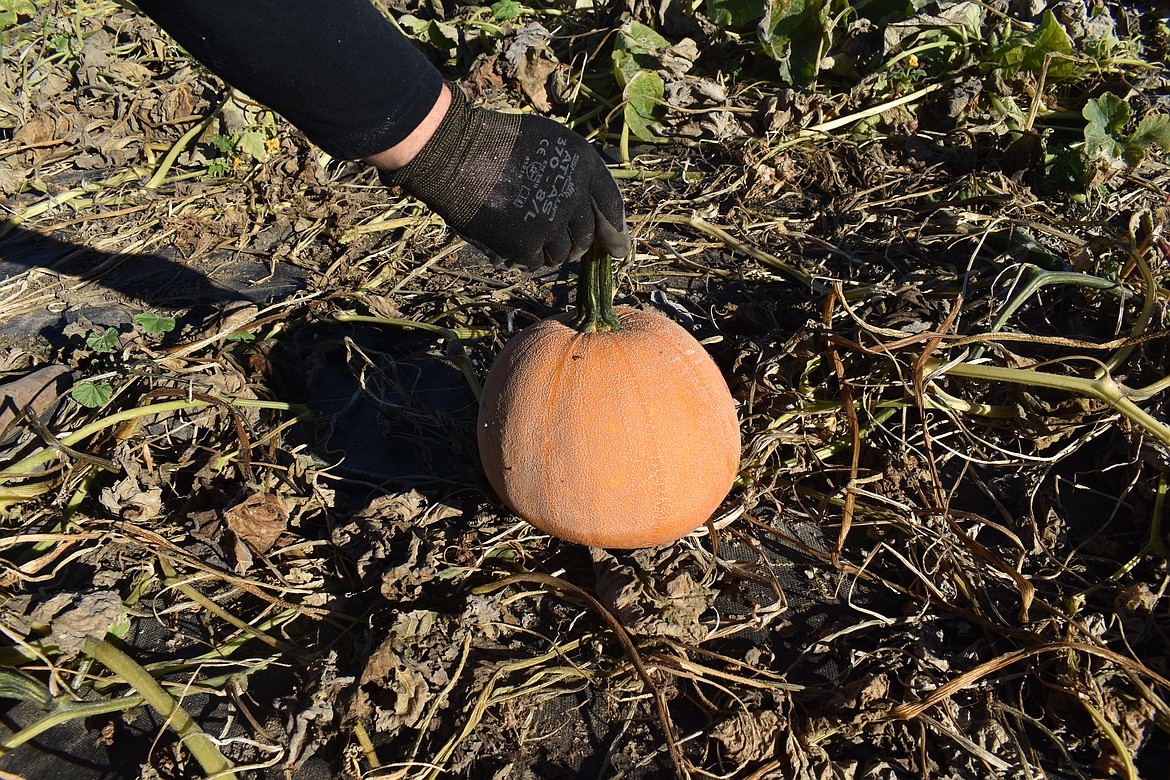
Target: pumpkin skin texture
column 623, row 439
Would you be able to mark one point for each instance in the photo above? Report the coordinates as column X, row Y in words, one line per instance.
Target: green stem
column 1157, row 541
column 173, row 580
column 22, row 469
column 1103, row 389
column 595, row 312
column 402, row 322
column 205, row 751
column 160, row 173
column 64, row 713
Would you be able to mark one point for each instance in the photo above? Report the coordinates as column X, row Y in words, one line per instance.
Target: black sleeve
column 338, row 70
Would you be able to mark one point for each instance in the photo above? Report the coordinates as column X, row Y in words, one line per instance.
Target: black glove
column 524, row 188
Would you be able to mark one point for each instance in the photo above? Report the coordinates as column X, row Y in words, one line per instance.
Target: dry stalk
column 559, row 585
column 947, row 690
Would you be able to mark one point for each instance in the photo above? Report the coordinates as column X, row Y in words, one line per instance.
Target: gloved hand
column 524, row 188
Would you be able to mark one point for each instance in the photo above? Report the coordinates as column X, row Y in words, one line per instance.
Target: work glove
column 525, row 189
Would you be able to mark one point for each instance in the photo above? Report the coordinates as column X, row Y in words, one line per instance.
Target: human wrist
column 402, row 153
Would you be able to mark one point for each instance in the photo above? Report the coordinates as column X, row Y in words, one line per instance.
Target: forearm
column 338, row 71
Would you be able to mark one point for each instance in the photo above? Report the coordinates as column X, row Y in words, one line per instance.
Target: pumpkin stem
column 595, row 312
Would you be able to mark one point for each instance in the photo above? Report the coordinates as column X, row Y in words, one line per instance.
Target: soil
column 275, row 506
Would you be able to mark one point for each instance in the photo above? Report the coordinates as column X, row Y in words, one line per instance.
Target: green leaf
column 506, row 10
column 252, row 144
column 644, row 95
column 103, row 341
column 1153, row 130
column 793, row 33
column 92, row 394
column 218, row 167
column 734, row 14
column 442, row 36
column 635, row 65
column 1108, row 112
column 155, row 323
column 1028, row 52
column 223, row 143
column 12, row 10
column 1106, row 118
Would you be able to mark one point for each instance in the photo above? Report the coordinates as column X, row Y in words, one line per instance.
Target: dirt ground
column 239, row 381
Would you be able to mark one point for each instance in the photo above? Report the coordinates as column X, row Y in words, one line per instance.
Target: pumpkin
column 613, row 428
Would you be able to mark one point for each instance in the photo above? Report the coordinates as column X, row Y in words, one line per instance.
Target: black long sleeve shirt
column 338, row 70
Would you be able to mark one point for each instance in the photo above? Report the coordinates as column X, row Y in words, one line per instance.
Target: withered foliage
column 943, row 321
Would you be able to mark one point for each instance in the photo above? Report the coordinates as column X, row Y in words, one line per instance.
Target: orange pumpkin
column 613, row 429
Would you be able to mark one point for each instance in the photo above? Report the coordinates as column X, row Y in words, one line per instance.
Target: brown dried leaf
column 408, row 668
column 749, row 736
column 41, row 127
column 72, row 617
column 529, row 60
column 647, row 605
column 12, row 180
column 258, row 521
column 132, row 501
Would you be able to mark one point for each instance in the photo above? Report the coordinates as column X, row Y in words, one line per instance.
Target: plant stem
column 402, row 322
column 595, row 312
column 160, row 173
column 63, row 713
column 205, row 751
column 1103, row 389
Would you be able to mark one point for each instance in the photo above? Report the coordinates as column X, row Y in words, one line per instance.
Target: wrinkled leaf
column 223, row 143
column 132, row 501
column 749, row 735
column 671, row 607
column 1153, row 130
column 505, row 10
column 792, row 32
column 734, row 13
column 1109, row 112
column 1107, row 117
column 72, row 617
column 1028, row 52
column 258, row 521
column 531, row 63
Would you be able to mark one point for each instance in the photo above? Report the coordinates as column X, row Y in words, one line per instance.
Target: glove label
column 546, row 180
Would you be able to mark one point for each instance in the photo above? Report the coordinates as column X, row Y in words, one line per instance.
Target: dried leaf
column 749, row 736
column 258, row 521
column 128, row 499
column 313, row 724
column 408, row 668
column 529, row 60
column 675, row 610
column 72, row 617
